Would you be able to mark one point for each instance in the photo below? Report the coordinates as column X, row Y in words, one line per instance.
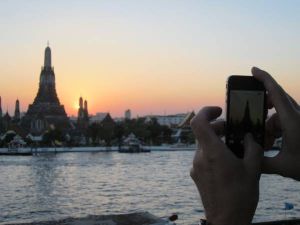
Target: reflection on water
column 78, row 184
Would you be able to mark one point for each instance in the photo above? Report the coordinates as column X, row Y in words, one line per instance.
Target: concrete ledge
column 141, row 218
column 280, row 222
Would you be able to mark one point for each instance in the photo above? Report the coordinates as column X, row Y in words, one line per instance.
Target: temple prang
column 46, row 110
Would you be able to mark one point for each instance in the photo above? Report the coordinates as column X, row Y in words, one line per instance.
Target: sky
column 153, row 57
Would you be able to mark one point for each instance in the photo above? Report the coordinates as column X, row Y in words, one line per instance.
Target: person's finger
column 269, row 142
column 292, row 100
column 277, row 95
column 273, row 126
column 201, row 127
column 219, row 127
column 270, row 165
column 253, row 153
column 272, row 131
column 269, row 102
column 197, row 164
column 192, row 173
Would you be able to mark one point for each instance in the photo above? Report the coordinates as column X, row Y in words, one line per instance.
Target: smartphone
column 246, row 109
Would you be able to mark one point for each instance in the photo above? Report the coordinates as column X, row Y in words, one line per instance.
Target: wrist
column 226, row 221
column 226, row 215
column 235, row 218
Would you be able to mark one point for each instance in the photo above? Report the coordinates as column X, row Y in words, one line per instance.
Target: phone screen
column 246, row 114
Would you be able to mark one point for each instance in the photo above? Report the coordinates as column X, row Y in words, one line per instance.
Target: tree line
column 108, row 133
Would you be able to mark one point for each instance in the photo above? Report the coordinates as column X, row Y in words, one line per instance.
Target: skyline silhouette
column 152, row 57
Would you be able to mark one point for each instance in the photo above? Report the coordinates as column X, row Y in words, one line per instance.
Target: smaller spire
column 17, row 115
column 47, row 59
column 85, row 104
column 86, row 112
column 80, row 102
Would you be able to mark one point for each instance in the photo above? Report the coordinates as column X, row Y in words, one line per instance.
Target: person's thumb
column 253, row 154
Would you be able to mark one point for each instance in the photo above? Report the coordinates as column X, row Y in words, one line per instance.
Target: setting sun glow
column 150, row 57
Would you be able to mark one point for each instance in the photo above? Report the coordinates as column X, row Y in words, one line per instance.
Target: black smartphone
column 246, row 111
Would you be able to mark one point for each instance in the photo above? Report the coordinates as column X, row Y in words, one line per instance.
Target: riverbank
column 142, row 218
column 91, row 149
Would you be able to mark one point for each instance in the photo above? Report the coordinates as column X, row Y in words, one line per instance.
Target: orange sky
column 150, row 57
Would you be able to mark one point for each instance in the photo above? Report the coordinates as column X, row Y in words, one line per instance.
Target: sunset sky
column 153, row 57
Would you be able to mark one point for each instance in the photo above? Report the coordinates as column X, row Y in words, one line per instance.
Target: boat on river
column 133, row 145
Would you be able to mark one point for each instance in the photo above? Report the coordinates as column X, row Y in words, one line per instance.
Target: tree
column 94, row 132
column 155, row 130
column 107, row 126
column 52, row 135
column 9, row 136
column 166, row 134
column 119, row 133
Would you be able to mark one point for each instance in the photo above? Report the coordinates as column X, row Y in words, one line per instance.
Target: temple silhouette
column 46, row 110
column 246, row 123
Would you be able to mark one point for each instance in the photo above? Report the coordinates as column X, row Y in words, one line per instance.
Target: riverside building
column 168, row 120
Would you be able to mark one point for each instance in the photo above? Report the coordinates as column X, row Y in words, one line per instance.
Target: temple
column 46, row 110
column 83, row 115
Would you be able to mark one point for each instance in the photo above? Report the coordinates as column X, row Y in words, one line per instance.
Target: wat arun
column 46, row 112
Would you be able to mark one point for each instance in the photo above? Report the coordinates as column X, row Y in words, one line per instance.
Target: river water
column 46, row 187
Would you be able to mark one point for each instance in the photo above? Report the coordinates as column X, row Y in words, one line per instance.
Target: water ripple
column 49, row 187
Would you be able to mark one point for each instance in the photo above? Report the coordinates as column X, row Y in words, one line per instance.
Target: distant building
column 46, row 110
column 6, row 120
column 83, row 114
column 73, row 118
column 119, row 119
column 127, row 114
column 22, row 114
column 185, row 123
column 168, row 120
column 108, row 120
column 100, row 117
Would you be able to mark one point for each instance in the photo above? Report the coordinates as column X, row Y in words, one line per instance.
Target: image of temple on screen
column 246, row 112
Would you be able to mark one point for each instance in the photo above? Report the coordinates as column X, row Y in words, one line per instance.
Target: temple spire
column 85, row 105
column 17, row 115
column 47, row 62
column 80, row 102
column 86, row 113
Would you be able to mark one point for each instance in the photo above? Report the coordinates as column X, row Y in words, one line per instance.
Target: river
column 54, row 186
